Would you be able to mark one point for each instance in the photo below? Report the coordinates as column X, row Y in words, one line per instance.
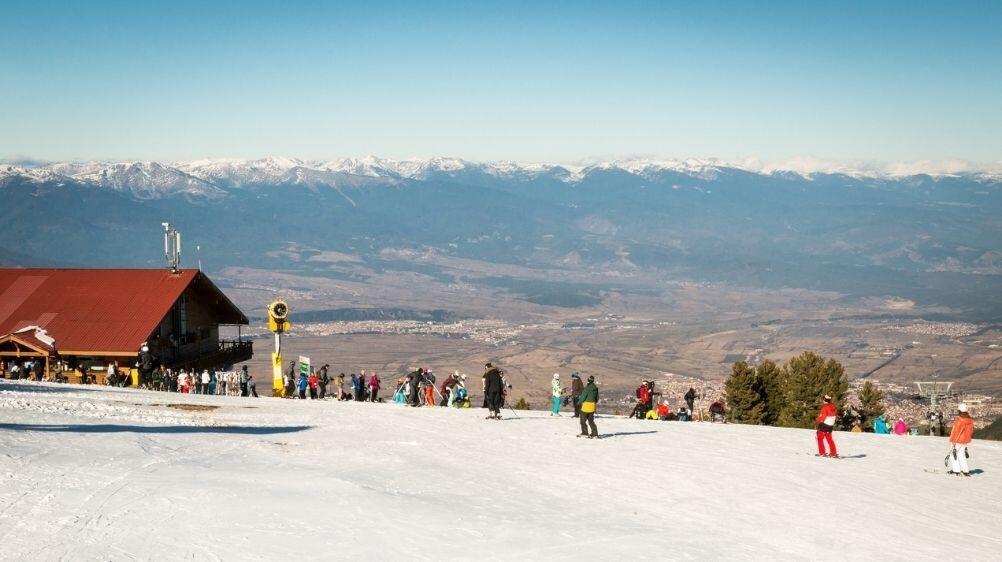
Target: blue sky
column 528, row 81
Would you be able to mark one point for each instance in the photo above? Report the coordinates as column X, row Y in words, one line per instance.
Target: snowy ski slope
column 105, row 474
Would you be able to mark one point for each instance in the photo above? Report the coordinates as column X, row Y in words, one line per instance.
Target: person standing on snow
column 290, row 380
column 414, row 390
column 960, row 437
column 826, row 424
column 313, row 382
column 589, row 402
column 304, row 381
column 493, row 390
column 339, row 387
column 428, row 391
column 361, row 390
column 325, row 380
column 557, row 391
column 576, row 388
column 690, row 399
column 374, row 386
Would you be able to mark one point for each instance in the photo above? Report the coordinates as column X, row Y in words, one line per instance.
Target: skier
column 493, row 390
column 825, row 426
column 414, row 390
column 576, row 387
column 251, row 386
column 207, row 379
column 429, row 388
column 690, row 399
column 960, row 436
column 557, row 391
column 446, row 390
column 589, row 400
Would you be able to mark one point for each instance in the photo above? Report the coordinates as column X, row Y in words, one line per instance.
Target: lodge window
column 181, row 318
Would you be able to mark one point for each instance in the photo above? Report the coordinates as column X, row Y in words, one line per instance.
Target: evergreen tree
column 770, row 380
column 522, row 404
column 807, row 378
column 743, row 396
column 871, row 405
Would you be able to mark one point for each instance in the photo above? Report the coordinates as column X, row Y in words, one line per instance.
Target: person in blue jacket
column 303, row 383
column 880, row 425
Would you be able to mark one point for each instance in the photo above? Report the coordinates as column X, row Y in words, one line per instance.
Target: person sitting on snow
column 717, row 411
column 880, row 425
column 900, row 427
column 664, row 411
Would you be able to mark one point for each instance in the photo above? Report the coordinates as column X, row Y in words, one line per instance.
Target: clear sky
column 528, row 81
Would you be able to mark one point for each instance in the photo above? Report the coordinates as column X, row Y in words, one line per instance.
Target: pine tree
column 871, row 405
column 743, row 396
column 522, row 404
column 770, row 380
column 808, row 377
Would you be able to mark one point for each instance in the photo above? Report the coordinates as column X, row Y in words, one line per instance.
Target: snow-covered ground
column 91, row 473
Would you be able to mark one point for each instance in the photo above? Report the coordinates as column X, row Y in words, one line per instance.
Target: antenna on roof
column 172, row 247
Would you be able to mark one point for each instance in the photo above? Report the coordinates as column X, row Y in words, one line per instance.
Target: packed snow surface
column 93, row 473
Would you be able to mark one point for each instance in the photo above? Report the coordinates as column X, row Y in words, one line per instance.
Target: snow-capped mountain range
column 211, row 178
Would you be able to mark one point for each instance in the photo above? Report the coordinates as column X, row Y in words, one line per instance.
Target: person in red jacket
column 826, row 424
column 313, row 382
column 960, row 436
column 664, row 412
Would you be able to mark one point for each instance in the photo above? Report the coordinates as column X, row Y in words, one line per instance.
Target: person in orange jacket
column 825, row 426
column 960, row 436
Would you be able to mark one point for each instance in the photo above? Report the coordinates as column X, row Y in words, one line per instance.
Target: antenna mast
column 172, row 247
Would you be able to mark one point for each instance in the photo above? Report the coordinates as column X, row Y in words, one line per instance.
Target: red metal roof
column 90, row 310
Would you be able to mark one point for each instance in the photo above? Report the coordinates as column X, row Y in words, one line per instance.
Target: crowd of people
column 419, row 388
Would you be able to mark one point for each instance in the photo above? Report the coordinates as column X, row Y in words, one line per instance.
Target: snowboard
column 840, row 457
column 974, row 472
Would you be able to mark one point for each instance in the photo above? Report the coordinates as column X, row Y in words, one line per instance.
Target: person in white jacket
column 557, row 392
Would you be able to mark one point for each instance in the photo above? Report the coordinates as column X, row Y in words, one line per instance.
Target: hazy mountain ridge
column 934, row 239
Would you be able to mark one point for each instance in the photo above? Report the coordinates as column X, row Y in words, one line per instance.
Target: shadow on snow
column 163, row 429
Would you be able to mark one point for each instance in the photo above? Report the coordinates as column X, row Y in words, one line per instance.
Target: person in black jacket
column 576, row 388
column 493, row 390
column 589, row 402
column 325, row 379
column 690, row 400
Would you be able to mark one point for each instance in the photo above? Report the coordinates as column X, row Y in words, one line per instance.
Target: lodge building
column 72, row 318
